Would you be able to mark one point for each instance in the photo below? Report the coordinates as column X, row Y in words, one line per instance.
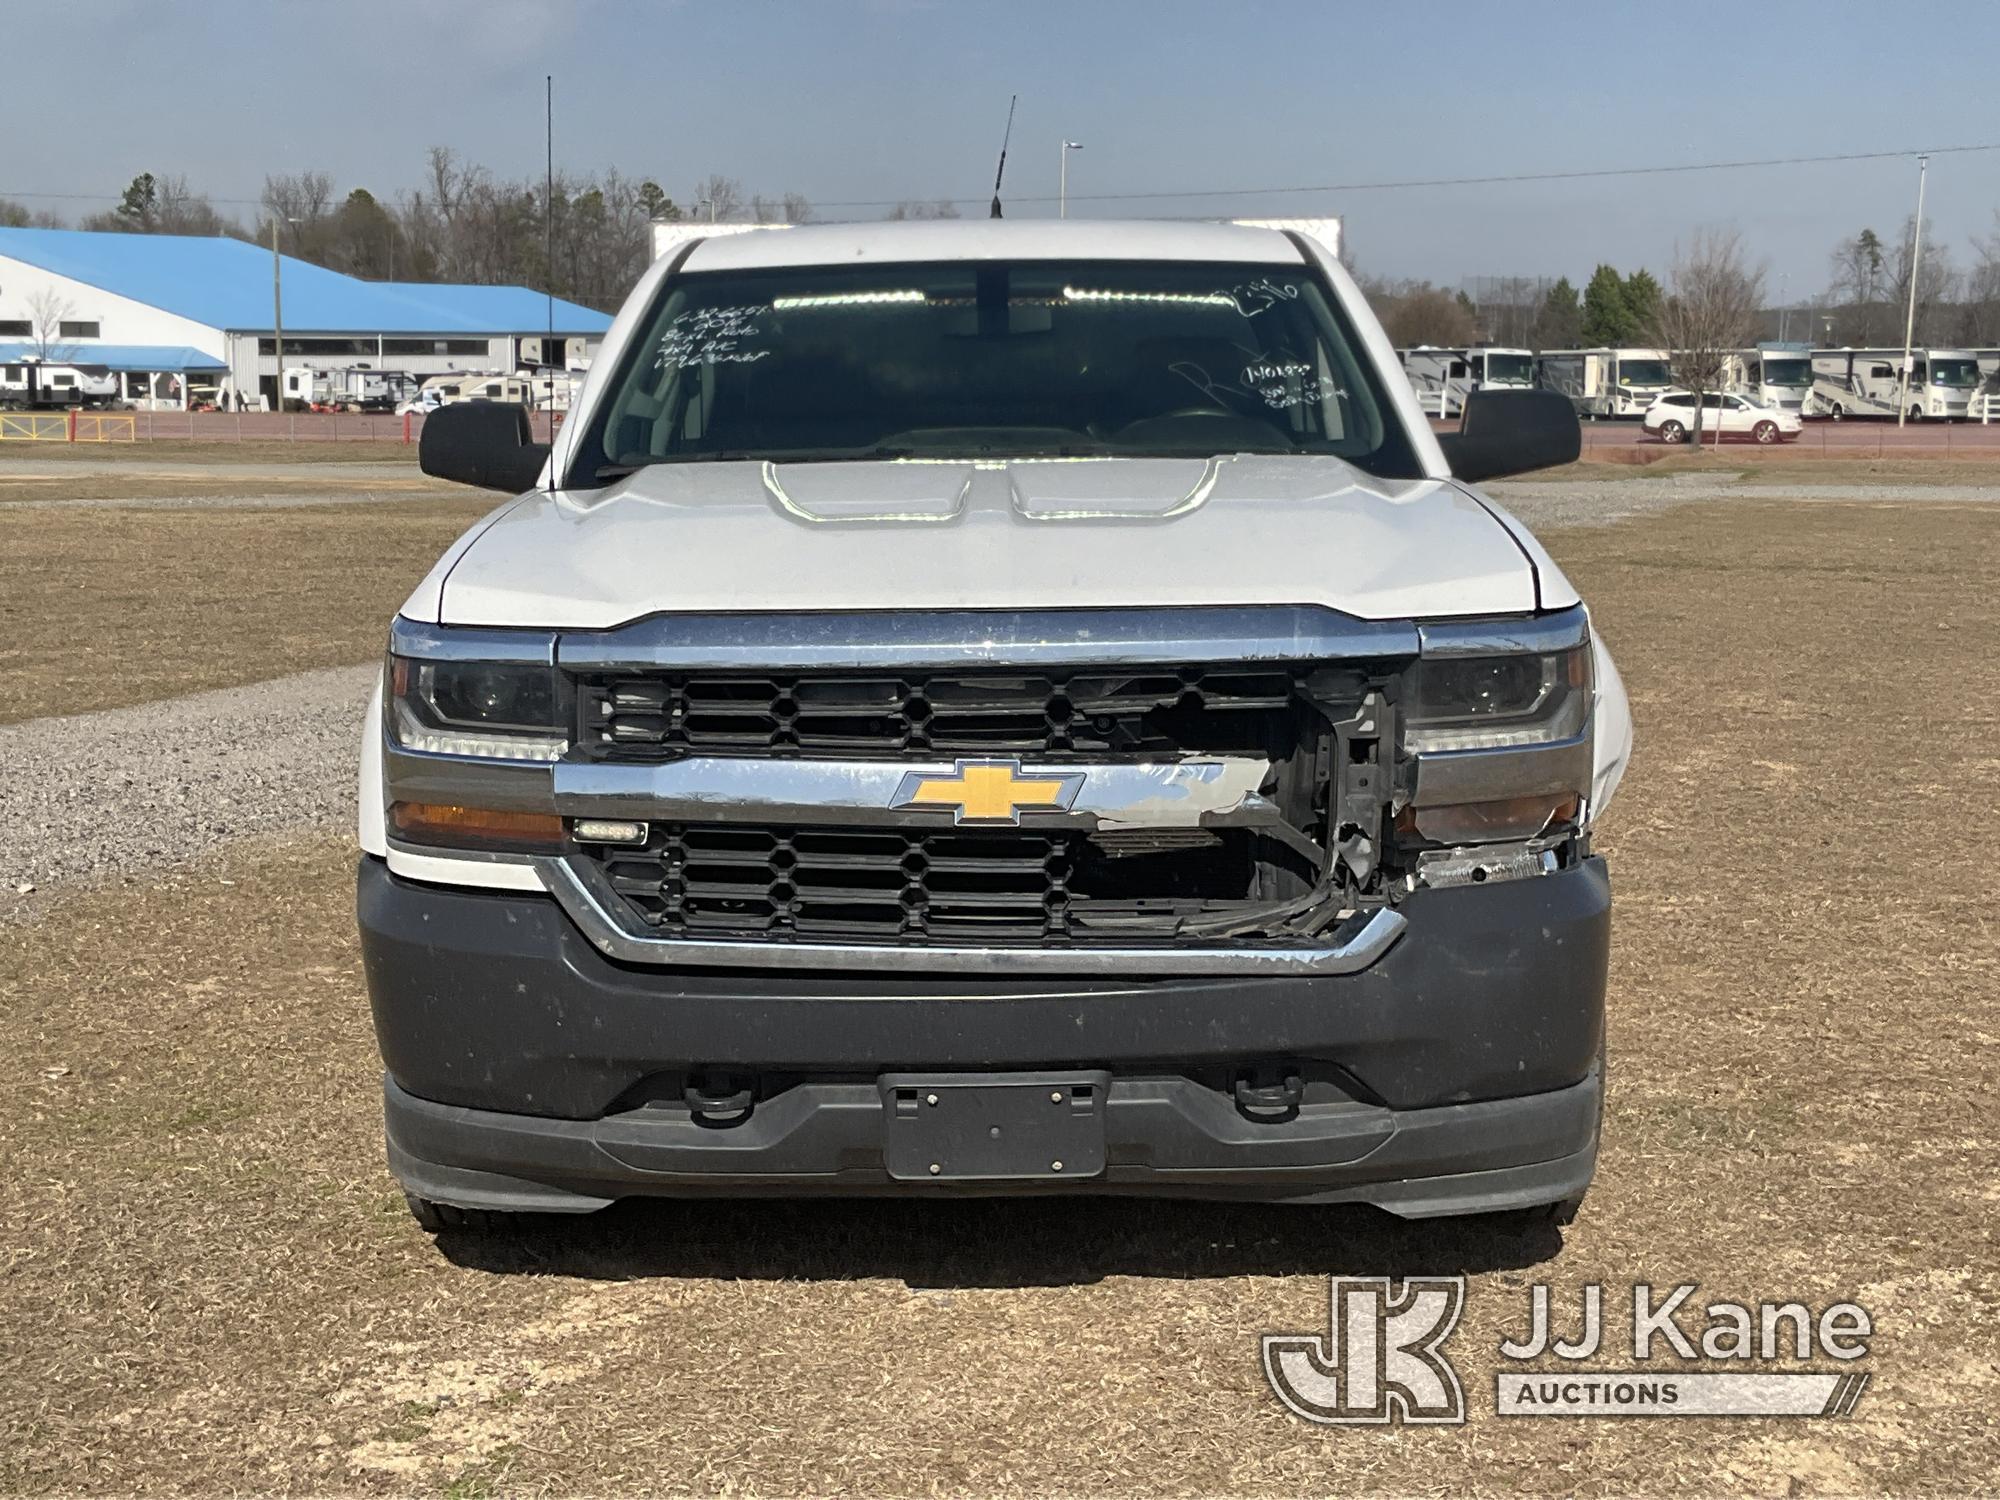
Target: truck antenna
column 1001, row 172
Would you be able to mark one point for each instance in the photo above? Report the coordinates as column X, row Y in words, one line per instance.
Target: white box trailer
column 1443, row 378
column 1870, row 383
column 38, row 383
column 1606, row 382
column 1779, row 375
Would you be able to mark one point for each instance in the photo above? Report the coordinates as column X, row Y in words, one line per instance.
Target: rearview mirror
column 1512, row 432
column 488, row 444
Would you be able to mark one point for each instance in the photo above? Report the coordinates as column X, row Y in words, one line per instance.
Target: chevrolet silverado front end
column 979, row 708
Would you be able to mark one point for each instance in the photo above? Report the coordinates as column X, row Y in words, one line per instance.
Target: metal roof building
column 206, row 303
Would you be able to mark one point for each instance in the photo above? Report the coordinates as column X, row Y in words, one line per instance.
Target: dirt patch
column 209, row 1284
column 103, row 607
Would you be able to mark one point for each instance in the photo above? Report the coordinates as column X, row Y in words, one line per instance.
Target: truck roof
column 992, row 239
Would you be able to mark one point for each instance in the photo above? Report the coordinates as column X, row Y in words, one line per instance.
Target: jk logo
column 1382, row 1359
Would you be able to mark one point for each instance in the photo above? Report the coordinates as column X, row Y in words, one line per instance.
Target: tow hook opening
column 720, row 1099
column 1270, row 1092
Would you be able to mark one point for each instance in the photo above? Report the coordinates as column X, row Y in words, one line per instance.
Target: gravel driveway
column 128, row 791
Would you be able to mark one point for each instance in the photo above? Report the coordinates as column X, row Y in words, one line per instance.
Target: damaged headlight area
column 1496, row 747
column 1497, row 702
column 492, row 710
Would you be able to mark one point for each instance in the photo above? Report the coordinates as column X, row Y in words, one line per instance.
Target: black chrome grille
column 914, row 885
column 1096, row 712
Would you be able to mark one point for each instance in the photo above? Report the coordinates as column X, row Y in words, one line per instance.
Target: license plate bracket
column 993, row 1127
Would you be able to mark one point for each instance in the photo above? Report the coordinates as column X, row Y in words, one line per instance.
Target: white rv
column 1869, row 383
column 1606, row 382
column 1779, row 375
column 30, row 383
column 353, row 388
column 1442, row 378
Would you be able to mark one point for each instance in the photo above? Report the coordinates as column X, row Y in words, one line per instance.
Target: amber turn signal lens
column 450, row 827
column 1488, row 822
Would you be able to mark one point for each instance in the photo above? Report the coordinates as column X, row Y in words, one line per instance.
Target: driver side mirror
column 1512, row 432
column 487, row 444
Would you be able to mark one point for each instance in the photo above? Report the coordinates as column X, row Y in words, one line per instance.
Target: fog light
column 1488, row 822
column 607, row 831
column 451, row 827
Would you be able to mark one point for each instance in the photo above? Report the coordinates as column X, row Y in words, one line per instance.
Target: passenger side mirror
column 487, row 444
column 1512, row 432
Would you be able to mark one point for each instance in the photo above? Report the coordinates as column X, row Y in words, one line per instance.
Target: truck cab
column 998, row 708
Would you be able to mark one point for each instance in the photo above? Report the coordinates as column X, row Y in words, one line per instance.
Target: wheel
column 1836, row 413
column 1916, row 414
column 1673, row 432
column 1765, row 432
column 440, row 1218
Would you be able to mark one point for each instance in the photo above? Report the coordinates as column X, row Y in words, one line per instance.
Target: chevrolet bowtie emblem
column 989, row 791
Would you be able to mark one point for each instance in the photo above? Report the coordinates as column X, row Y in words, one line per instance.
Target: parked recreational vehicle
column 1605, row 382
column 29, row 383
column 1869, row 382
column 1442, row 378
column 354, row 388
column 1779, row 375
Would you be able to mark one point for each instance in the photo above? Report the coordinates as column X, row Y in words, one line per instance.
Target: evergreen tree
column 1559, row 321
column 1606, row 317
column 1642, row 301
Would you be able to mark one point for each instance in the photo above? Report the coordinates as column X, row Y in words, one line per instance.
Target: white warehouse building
column 169, row 313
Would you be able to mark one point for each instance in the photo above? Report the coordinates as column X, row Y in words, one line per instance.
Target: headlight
column 1494, row 702
column 501, row 710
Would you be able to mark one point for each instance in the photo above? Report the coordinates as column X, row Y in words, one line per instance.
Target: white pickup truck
column 993, row 707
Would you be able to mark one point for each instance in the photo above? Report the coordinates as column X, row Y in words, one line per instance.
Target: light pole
column 1916, row 264
column 1062, row 191
column 278, row 308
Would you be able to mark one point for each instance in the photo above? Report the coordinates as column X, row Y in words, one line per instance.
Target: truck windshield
column 1510, row 369
column 994, row 360
column 1643, row 371
column 1787, row 372
column 1962, row 374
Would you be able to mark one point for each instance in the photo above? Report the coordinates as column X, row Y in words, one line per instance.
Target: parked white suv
column 993, row 707
column 1672, row 419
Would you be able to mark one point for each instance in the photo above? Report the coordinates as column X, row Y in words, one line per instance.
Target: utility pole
column 1910, row 317
column 1062, row 189
column 278, row 311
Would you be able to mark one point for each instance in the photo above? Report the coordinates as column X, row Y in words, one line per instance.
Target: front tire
column 1765, row 432
column 443, row 1218
column 1916, row 414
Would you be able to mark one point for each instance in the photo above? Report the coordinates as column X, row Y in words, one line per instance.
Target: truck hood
column 718, row 537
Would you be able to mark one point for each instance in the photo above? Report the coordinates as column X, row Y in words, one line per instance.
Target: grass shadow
column 996, row 1242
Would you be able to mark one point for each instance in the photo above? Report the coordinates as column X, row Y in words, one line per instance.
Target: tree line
column 584, row 236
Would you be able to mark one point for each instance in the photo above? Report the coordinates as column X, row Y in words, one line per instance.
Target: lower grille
column 912, row 886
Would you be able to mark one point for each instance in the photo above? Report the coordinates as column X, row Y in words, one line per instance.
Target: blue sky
column 887, row 99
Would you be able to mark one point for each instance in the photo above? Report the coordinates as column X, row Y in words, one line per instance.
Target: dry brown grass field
column 102, row 607
column 208, row 1283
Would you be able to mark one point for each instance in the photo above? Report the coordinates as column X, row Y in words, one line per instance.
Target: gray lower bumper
column 1163, row 1137
column 528, row 1070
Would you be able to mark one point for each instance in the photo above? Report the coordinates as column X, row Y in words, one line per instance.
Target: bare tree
column 1415, row 312
column 717, row 198
column 1937, row 287
column 48, row 310
column 910, row 208
column 1979, row 307
column 15, row 215
column 1709, row 310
